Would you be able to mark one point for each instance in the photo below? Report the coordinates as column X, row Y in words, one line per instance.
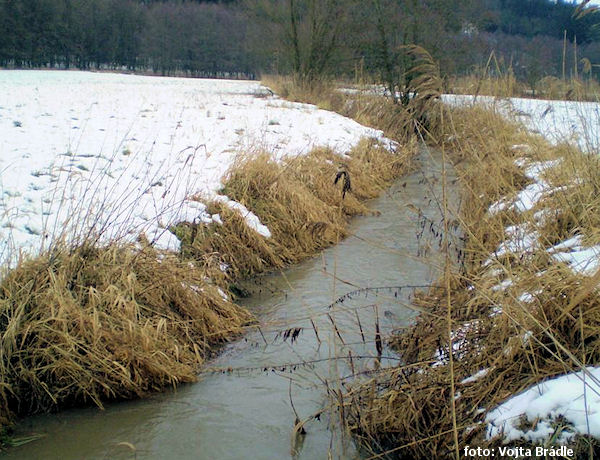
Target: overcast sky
column 593, row 2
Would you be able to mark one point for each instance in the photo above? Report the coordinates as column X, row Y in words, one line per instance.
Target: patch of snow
column 572, row 244
column 459, row 343
column 543, row 403
column 471, row 428
column 543, row 216
column 523, row 148
column 163, row 239
column 526, row 199
column 495, row 311
column 530, row 196
column 223, row 294
column 251, row 219
column 535, row 170
column 503, row 285
column 520, row 240
column 476, row 376
column 528, row 297
column 498, row 206
column 584, row 261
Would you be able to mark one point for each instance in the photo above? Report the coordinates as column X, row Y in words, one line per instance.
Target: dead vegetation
column 88, row 324
column 102, row 323
column 410, row 113
column 298, row 200
column 518, row 314
column 502, row 83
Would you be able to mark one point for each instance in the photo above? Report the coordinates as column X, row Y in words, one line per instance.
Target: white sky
column 593, row 2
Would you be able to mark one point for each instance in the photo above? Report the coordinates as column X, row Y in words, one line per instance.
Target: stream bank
column 241, row 406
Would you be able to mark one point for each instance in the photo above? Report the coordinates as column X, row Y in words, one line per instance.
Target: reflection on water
column 246, row 406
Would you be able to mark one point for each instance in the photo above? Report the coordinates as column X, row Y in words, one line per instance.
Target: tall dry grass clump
column 573, row 89
column 318, row 91
column 497, row 79
column 93, row 324
column 515, row 312
column 397, row 121
column 505, row 84
column 300, row 202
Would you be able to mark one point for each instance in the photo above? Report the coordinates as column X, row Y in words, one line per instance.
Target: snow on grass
column 461, row 343
column 523, row 239
column 556, row 410
column 476, row 376
column 251, row 219
column 85, row 152
column 503, row 286
column 557, row 121
column 585, row 261
column 531, row 195
column 571, row 401
column 520, row 239
column 528, row 297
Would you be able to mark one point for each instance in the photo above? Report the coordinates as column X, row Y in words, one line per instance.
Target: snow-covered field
column 118, row 155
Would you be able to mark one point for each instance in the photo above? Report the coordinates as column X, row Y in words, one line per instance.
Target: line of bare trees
column 308, row 38
column 196, row 38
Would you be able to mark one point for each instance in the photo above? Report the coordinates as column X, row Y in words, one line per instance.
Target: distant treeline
column 197, row 38
column 246, row 37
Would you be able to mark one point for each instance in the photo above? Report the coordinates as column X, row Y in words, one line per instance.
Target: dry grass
column 96, row 324
column 505, row 84
column 574, row 89
column 320, row 92
column 298, row 200
column 397, row 121
column 407, row 412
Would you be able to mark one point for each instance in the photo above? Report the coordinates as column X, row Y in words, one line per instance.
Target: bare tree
column 309, row 31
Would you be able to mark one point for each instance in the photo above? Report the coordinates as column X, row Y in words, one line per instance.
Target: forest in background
column 308, row 37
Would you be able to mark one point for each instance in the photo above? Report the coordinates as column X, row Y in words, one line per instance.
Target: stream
column 245, row 404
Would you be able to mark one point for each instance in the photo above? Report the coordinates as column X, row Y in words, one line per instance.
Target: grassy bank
column 517, row 309
column 101, row 323
column 94, row 323
column 301, row 202
column 397, row 121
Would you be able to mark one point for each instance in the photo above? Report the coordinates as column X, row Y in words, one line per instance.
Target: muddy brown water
column 244, row 409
